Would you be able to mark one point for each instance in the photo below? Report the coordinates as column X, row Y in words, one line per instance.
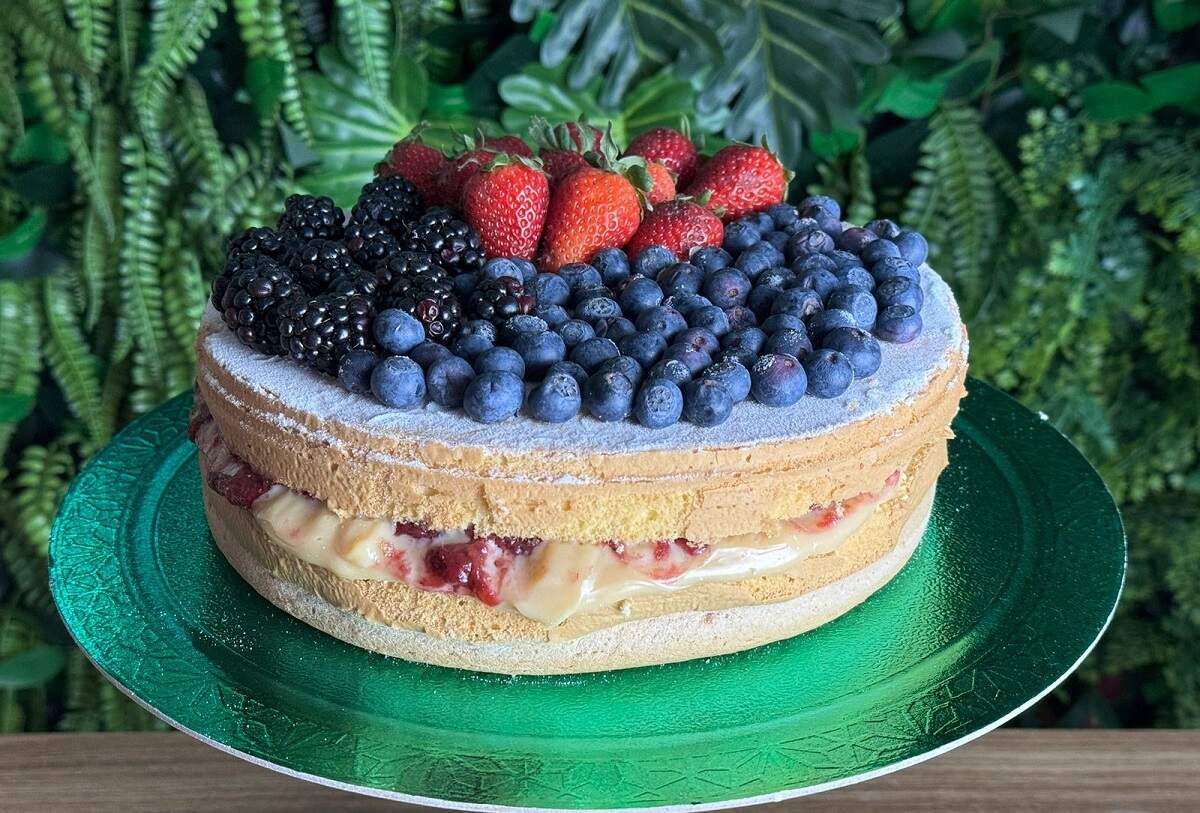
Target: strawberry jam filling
column 546, row 581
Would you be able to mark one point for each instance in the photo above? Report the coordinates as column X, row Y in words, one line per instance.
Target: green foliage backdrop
column 1050, row 151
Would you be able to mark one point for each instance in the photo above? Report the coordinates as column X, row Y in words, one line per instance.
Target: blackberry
column 407, row 264
column 251, row 301
column 355, row 282
column 454, row 245
column 259, row 241
column 306, row 217
column 317, row 332
column 393, row 203
column 428, row 296
column 316, row 263
column 498, row 300
column 370, row 244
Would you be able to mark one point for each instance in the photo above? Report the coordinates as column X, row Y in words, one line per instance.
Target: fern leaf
column 20, row 346
column 183, row 302
column 10, row 103
column 43, row 474
column 194, row 135
column 93, row 21
column 70, row 359
column 178, row 29
column 129, row 26
column 286, row 45
column 44, row 35
column 365, row 38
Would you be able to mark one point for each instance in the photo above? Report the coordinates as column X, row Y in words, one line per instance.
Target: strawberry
column 669, row 147
column 453, row 175
column 561, row 163
column 662, row 186
column 681, row 225
column 742, row 178
column 415, row 161
column 557, row 149
column 590, row 209
column 581, row 135
column 506, row 203
column 511, row 144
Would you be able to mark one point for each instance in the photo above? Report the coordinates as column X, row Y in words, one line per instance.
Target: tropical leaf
column 364, row 35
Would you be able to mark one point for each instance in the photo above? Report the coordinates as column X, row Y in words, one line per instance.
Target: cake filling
column 545, row 581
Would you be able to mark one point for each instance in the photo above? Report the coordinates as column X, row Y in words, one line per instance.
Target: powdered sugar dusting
column 904, row 373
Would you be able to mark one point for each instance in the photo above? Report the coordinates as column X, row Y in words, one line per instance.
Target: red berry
column 670, row 148
column 511, row 144
column 506, row 203
column 416, row 162
column 680, row 225
column 662, row 187
column 741, row 178
column 590, row 209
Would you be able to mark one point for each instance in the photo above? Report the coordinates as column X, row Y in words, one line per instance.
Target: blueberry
column 579, row 275
column 493, row 396
column 829, row 373
column 750, row 337
column 762, row 221
column 783, row 321
column 709, row 259
column 740, row 316
column 913, row 246
column 540, row 350
column 591, row 353
column 396, row 331
column 521, row 325
column 842, row 259
column 626, row 366
column 828, row 224
column 857, row 345
column 398, row 382
column 854, row 240
column 552, row 315
column 551, row 289
column 855, row 275
column 470, row 345
column 892, row 267
column 447, row 380
column 569, row 368
column 653, row 259
column 529, row 271
column 727, row 287
column 694, row 360
column 790, row 341
column 776, row 278
column 898, row 323
column 798, row 302
column 821, row 282
column 608, row 395
column 672, row 370
column 640, row 294
column 556, row 399
column 662, row 319
column 803, row 224
column 879, row 249
column 614, row 327
column 680, row 278
column 779, row 239
column 464, row 284
column 857, row 301
column 815, row 262
column 645, row 347
column 479, row 327
column 810, row 241
column 823, row 202
column 885, row 228
column 758, row 258
column 612, row 264
column 575, row 331
column 742, row 355
column 777, row 380
column 706, row 402
column 731, row 375
column 598, row 308
column 658, row 403
column 711, row 318
column 699, row 338
column 500, row 359
column 762, row 298
column 900, row 291
column 824, row 321
column 686, row 303
column 426, row 353
column 354, row 370
column 739, row 236
column 498, row 267
column 586, row 292
column 782, row 214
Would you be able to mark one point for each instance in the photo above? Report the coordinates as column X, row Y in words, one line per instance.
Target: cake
column 543, row 539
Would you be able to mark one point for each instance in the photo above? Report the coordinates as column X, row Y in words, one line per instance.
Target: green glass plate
column 1012, row 585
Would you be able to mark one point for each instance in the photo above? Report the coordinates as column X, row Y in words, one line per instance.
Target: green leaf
column 1114, row 100
column 1175, row 85
column 14, row 406
column 70, row 359
column 40, row 144
column 910, row 97
column 971, row 76
column 264, row 80
column 365, row 38
column 940, row 15
column 838, row 142
column 1176, row 15
column 23, row 237
column 410, row 87
column 33, row 667
column 1064, row 24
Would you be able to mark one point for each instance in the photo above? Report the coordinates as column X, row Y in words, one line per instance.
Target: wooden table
column 1007, row 770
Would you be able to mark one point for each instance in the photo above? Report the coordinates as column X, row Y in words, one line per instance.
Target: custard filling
column 545, row 581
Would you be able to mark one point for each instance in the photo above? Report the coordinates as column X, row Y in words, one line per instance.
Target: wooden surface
column 1010, row 770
